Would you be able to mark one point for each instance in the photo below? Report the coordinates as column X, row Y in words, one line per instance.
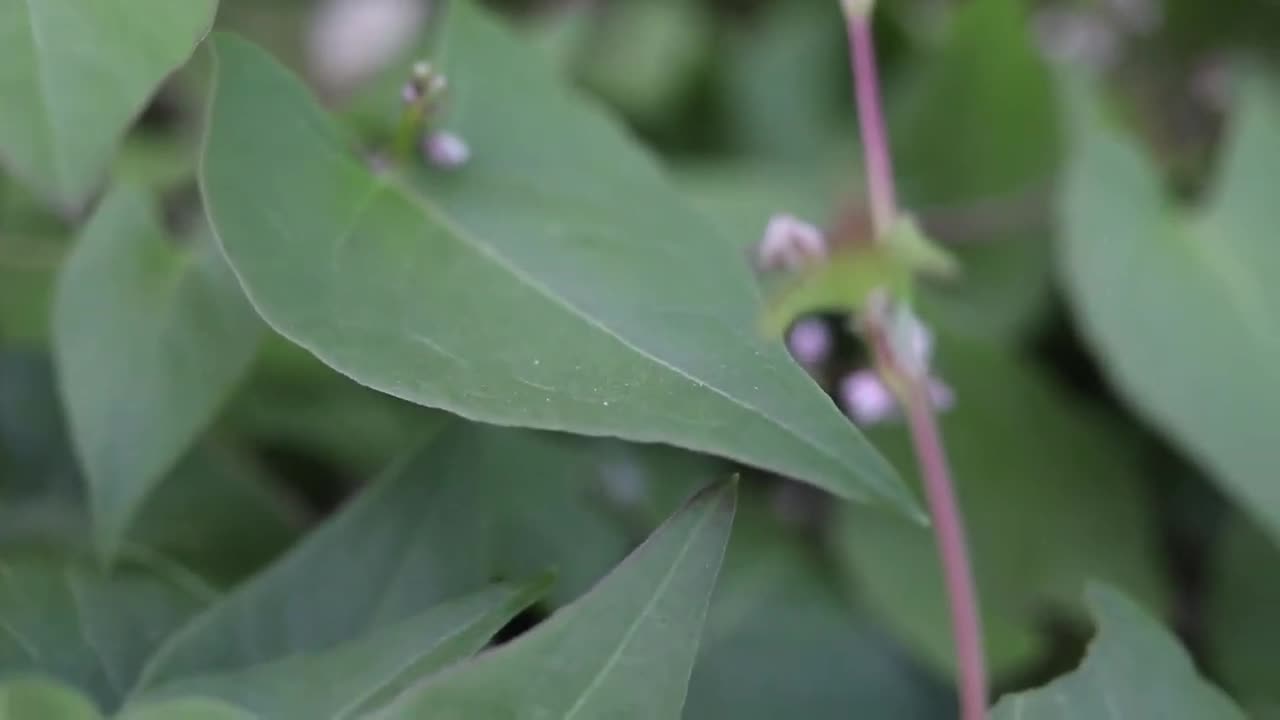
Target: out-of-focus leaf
column 976, row 139
column 1135, row 669
column 63, row 616
column 474, row 503
column 624, row 650
column 218, row 514
column 188, row 709
column 781, row 642
column 75, row 75
column 742, row 197
column 1208, row 375
column 292, row 400
column 355, row 677
column 562, row 331
column 149, row 339
column 215, row 513
column 645, row 54
column 781, row 79
column 1241, row 628
column 37, row 697
column 1052, row 497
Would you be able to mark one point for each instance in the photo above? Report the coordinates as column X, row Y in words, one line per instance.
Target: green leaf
column 592, row 303
column 149, row 338
column 781, row 641
column 1135, row 669
column 473, row 503
column 357, row 676
column 624, row 650
column 36, row 697
column 65, row 617
column 1208, row 374
column 241, row 524
column 75, row 74
column 1241, row 632
column 1068, row 486
column 188, row 709
column 976, row 144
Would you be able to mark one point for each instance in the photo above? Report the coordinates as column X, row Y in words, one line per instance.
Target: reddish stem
column 875, row 139
column 948, row 526
column 966, row 623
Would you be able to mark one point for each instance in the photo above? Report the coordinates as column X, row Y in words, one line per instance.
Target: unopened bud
column 867, row 399
column 790, row 243
column 443, row 149
column 810, row 341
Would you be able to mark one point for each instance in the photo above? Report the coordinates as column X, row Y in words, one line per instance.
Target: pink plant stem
column 875, row 139
column 966, row 624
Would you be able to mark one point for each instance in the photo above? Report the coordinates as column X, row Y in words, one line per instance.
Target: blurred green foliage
column 1066, row 474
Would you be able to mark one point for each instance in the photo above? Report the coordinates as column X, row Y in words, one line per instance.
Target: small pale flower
column 789, row 243
column 867, row 399
column 810, row 341
column 444, row 150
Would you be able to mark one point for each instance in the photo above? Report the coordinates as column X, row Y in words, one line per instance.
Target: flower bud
column 444, row 150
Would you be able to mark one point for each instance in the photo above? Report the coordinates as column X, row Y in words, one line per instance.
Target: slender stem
column 875, row 139
column 913, row 387
column 966, row 624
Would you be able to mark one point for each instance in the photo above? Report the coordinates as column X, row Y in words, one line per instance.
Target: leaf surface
column 76, row 73
column 592, row 302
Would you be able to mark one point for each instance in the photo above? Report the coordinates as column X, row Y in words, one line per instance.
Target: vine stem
column 913, row 387
column 875, row 139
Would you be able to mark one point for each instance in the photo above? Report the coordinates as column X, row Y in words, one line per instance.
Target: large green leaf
column 1181, row 305
column 593, row 302
column 1242, row 616
column 624, row 650
column 37, row 697
column 976, row 142
column 1135, row 669
column 63, row 616
column 149, row 338
column 74, row 75
column 1052, row 495
column 362, row 674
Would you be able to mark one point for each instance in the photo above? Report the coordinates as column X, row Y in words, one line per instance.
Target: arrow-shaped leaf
column 555, row 282
column 74, row 75
column 1183, row 306
column 1135, row 669
column 149, row 339
column 624, row 650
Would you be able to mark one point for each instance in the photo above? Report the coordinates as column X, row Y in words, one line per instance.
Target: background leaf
column 1241, row 633
column 1135, row 669
column 359, row 675
column 1209, row 377
column 474, row 503
column 1029, row 463
column 32, row 697
column 149, row 339
column 562, row 328
column 623, row 650
column 64, row 616
column 976, row 143
column 65, row 108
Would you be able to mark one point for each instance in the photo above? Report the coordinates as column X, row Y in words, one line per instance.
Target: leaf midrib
column 658, row 592
column 433, row 211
